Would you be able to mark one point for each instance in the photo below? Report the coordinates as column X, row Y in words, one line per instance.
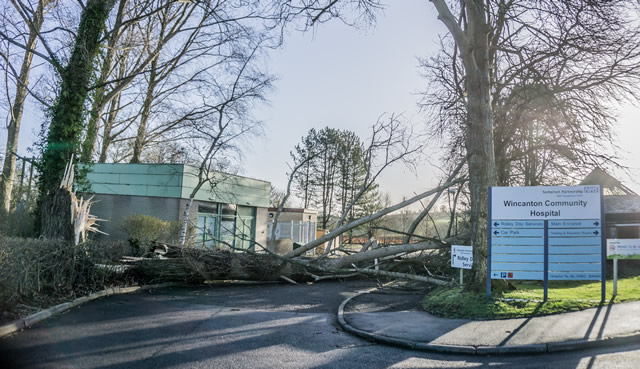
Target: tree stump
column 56, row 220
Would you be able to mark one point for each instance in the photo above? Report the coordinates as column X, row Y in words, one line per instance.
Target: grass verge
column 526, row 301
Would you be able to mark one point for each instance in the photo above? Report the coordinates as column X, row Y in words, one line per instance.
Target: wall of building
column 114, row 209
column 156, row 180
column 286, row 215
column 162, row 190
column 262, row 216
column 178, row 181
column 227, row 188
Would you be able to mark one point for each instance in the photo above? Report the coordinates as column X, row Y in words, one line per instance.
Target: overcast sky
column 345, row 78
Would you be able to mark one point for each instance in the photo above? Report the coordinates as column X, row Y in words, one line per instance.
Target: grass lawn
column 526, row 301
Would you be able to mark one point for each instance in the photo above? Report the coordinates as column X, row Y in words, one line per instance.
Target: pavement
column 252, row 326
column 393, row 317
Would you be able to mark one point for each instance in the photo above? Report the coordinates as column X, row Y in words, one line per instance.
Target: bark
column 473, row 44
column 67, row 115
column 197, row 265
column 387, row 251
column 99, row 103
column 108, row 127
column 56, row 215
column 304, row 162
column 146, row 111
column 416, row 222
column 479, row 140
column 185, row 219
column 342, row 229
column 13, row 129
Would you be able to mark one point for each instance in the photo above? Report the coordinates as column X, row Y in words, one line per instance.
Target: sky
column 343, row 77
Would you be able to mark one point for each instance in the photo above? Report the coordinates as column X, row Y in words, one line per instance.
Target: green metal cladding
column 178, row 181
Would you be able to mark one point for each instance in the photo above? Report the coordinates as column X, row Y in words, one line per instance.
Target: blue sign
column 575, row 223
column 546, row 233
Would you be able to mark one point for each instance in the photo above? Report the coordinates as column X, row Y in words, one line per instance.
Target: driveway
column 242, row 326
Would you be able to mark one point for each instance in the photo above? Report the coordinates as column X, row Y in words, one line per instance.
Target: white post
column 615, row 277
column 461, row 277
column 375, row 261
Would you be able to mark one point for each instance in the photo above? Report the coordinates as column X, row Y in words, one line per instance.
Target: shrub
column 19, row 223
column 39, row 271
column 142, row 229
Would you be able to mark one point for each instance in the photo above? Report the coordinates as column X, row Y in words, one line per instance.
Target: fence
column 300, row 232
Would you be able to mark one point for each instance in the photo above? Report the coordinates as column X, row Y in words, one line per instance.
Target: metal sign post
column 621, row 249
column 461, row 257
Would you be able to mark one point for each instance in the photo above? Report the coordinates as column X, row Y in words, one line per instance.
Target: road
column 242, row 326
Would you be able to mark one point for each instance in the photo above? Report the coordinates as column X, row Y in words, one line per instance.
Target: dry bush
column 19, row 223
column 142, row 229
column 38, row 272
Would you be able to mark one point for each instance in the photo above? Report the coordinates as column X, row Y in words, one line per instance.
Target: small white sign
column 623, row 248
column 461, row 256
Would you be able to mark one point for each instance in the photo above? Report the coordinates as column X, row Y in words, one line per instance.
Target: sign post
column 546, row 233
column 621, row 249
column 461, row 257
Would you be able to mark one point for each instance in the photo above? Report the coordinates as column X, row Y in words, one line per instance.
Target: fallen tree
column 196, row 265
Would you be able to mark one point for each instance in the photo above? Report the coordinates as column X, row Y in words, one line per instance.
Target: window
column 245, row 227
column 227, row 225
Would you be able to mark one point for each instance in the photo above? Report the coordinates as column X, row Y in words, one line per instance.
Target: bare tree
column 216, row 264
column 181, row 50
column 33, row 20
column 231, row 121
column 300, row 161
column 88, row 146
column 547, row 71
column 390, row 142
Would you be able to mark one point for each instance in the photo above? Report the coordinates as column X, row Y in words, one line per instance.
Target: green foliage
column 333, row 177
column 526, row 300
column 142, row 229
column 36, row 272
column 68, row 113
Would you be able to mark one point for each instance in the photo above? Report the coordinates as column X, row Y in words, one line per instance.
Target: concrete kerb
column 571, row 345
column 32, row 319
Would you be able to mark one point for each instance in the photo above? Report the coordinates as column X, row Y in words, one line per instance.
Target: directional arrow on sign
column 596, row 223
column 496, row 224
column 495, row 232
column 596, row 233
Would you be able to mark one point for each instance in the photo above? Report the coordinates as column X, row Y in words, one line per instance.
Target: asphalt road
column 243, row 326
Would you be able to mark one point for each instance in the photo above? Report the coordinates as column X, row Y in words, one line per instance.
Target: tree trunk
column 146, row 111
column 13, row 129
column 97, row 107
column 185, row 221
column 197, row 265
column 56, row 215
column 412, row 228
column 364, row 220
column 473, row 43
column 106, row 130
column 67, row 114
column 479, row 138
